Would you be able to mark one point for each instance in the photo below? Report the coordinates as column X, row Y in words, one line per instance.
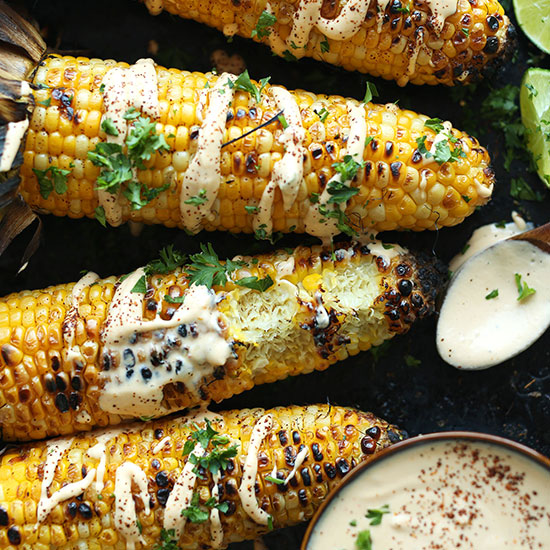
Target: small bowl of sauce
column 444, row 491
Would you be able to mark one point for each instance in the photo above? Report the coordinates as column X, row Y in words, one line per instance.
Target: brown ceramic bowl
column 418, row 441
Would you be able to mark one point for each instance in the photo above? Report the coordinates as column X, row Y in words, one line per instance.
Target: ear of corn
column 322, row 307
column 397, row 188
column 335, row 439
column 396, row 40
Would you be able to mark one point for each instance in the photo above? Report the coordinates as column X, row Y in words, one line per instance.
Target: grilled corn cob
column 319, row 443
column 418, row 41
column 96, row 353
column 394, row 185
column 359, row 166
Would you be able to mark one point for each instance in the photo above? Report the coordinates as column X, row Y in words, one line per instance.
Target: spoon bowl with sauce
column 447, row 490
column 498, row 302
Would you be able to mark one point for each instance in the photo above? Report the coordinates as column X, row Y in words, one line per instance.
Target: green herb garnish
column 197, row 200
column 108, row 126
column 255, row 284
column 435, row 124
column 52, row 179
column 492, row 294
column 370, row 92
column 376, row 514
column 325, row 46
column 275, row 480
column 99, row 214
column 265, row 21
column 244, row 84
column 206, row 268
column 167, row 540
column 520, row 189
column 411, row 361
column 322, row 114
column 524, row 290
column 363, row 541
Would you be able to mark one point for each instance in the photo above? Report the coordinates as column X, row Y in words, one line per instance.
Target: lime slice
column 534, row 100
column 534, row 18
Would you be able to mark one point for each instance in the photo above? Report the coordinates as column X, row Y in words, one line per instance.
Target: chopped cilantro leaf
column 314, row 198
column 444, row 154
column 492, row 294
column 244, row 84
column 194, row 513
column 265, row 21
column 435, row 124
column 206, row 268
column 376, row 514
column 108, row 126
column 139, row 195
column 168, row 261
column 46, row 102
column 141, row 286
column 322, row 114
column 51, row 179
column 251, row 209
column 131, row 114
column 143, row 141
column 289, row 56
column 167, row 540
column 363, row 541
column 255, row 284
column 283, row 121
column 174, row 299
column 325, row 46
column 466, row 198
column 524, row 290
column 370, row 92
column 353, row 523
column 421, row 146
column 100, row 216
column 501, row 224
column 275, row 480
column 465, row 248
column 102, row 88
column 270, row 523
column 197, row 200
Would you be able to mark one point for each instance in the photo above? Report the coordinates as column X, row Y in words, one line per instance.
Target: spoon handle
column 540, row 236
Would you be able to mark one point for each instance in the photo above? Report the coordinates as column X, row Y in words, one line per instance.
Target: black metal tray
column 512, row 400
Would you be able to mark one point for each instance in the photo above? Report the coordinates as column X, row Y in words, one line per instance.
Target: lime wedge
column 534, row 18
column 534, row 100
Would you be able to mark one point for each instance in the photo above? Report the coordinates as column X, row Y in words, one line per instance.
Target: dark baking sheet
column 512, row 400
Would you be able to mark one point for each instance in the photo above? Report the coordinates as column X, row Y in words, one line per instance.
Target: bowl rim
column 481, row 437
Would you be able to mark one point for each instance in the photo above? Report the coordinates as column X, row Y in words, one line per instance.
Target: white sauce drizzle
column 127, row 390
column 250, row 469
column 69, row 323
column 203, row 176
column 288, row 172
column 160, row 445
column 302, row 455
column 181, row 495
column 55, row 450
column 125, row 515
column 135, row 86
column 315, row 223
column 322, row 319
column 14, row 136
column 216, row 529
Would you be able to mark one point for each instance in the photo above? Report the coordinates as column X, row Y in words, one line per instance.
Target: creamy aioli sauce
column 14, row 136
column 488, row 235
column 161, row 444
column 315, row 223
column 216, row 529
column 55, row 450
column 444, row 495
column 302, row 455
column 288, row 172
column 322, row 319
column 203, row 176
column 181, row 495
column 250, row 469
column 190, row 345
column 135, row 86
column 69, row 323
column 504, row 326
column 125, row 515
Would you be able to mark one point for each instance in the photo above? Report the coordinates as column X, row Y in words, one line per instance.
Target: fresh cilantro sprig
column 264, row 24
column 254, row 283
column 348, row 168
column 168, row 261
column 370, row 92
column 435, row 124
column 197, row 513
column 52, row 179
column 217, row 458
column 524, row 290
column 197, row 200
column 206, row 269
column 140, row 195
column 244, row 84
column 492, row 294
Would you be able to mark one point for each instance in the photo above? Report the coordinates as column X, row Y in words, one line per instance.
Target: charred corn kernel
column 391, row 157
column 458, row 50
column 339, row 437
column 324, row 304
